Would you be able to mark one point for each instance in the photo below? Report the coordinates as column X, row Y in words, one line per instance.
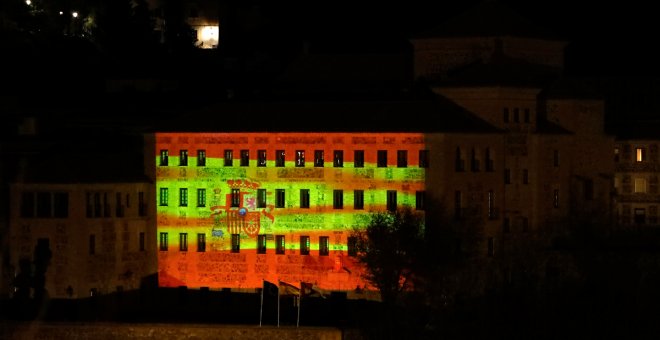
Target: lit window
column 201, row 242
column 261, row 198
column 245, row 157
column 318, row 158
column 183, row 197
column 324, row 245
column 261, row 158
column 235, row 243
column 279, row 198
column 183, row 158
column 338, row 199
column 235, row 198
column 163, row 242
column 164, row 196
column 304, row 198
column 183, row 241
column 358, row 199
column 201, row 197
column 402, row 158
column 304, row 245
column 300, row 158
column 164, row 159
column 279, row 244
column 261, row 244
column 229, row 158
column 201, row 157
column 640, row 185
column 358, row 158
column 338, row 159
column 640, row 154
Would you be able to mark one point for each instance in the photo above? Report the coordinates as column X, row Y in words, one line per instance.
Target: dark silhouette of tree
column 123, row 27
column 179, row 37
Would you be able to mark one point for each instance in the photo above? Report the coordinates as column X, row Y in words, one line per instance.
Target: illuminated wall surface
column 196, row 250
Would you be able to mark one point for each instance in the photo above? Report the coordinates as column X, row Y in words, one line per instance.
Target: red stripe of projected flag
column 288, row 289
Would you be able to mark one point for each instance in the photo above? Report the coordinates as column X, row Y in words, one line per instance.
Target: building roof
column 489, row 18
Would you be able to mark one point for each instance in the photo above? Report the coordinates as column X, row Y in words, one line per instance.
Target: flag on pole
column 270, row 288
column 308, row 289
column 288, row 289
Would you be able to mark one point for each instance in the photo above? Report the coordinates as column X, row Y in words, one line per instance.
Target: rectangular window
column 491, row 205
column 505, row 114
column 304, row 245
column 261, row 244
column 183, row 157
column 318, row 158
column 300, row 158
column 164, row 196
column 92, row 244
column 229, row 157
column 61, row 205
column 279, row 198
column 106, row 205
column 304, row 198
column 555, row 158
column 28, row 204
column 235, row 198
column 474, row 161
column 351, row 246
column 201, row 197
column 490, row 163
column 338, row 199
column 506, row 225
column 382, row 159
column 491, row 247
column 44, row 204
column 324, row 245
column 201, row 242
column 279, row 244
column 423, row 158
column 279, row 158
column 555, row 198
column 640, row 185
column 183, row 197
column 358, row 158
column 402, row 158
column 261, row 158
column 460, row 162
column 119, row 208
column 338, row 159
column 235, row 243
column 391, row 200
column 164, row 157
column 245, row 157
column 98, row 209
column 525, row 176
column 458, row 204
column 420, row 198
column 141, row 241
column 507, row 176
column 142, row 204
column 201, row 157
column 640, row 154
column 183, row 241
column 358, row 199
column 163, row 242
column 261, row 198
column 616, row 154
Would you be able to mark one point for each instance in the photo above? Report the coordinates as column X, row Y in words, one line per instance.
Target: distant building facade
column 636, row 182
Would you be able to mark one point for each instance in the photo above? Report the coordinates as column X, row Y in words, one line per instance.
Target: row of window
column 641, row 154
column 515, row 115
column 262, row 243
column 56, row 204
column 639, row 215
column 280, row 198
column 98, row 204
column 475, row 160
column 639, row 185
column 280, row 158
column 92, row 243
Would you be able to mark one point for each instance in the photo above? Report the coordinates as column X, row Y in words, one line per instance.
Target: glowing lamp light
column 61, row 12
column 74, row 14
column 208, row 35
column 28, row 2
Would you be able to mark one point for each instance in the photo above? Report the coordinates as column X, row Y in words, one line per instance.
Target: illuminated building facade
column 237, row 208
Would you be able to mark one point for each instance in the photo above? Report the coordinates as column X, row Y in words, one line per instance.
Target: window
column 338, row 158
column 261, row 198
column 183, row 197
column 616, row 154
column 460, row 162
column 525, row 224
column 304, row 198
column 279, row 198
column 474, row 161
column 318, row 158
column 235, row 243
column 338, row 199
column 201, row 197
column 261, row 158
column 516, row 115
column 420, row 198
column 164, row 159
column 92, row 244
column 119, row 208
column 391, row 200
column 44, row 204
column 402, row 158
column 358, row 158
column 358, row 199
column 164, row 196
column 229, row 157
column 491, row 247
column 106, row 206
column 201, row 242
column 556, row 158
column 640, row 216
column 304, row 245
column 555, row 198
column 98, row 209
column 163, row 242
column 352, row 246
column 527, row 116
column 507, row 176
column 506, row 115
column 279, row 244
column 235, row 198
column 640, row 154
column 382, row 158
column 491, row 205
column 324, row 245
column 201, row 157
column 142, row 205
column 506, row 225
column 300, row 158
column 245, row 157
column 261, row 244
column 423, row 158
column 458, row 201
column 141, row 241
column 525, row 176
column 183, row 241
column 28, row 204
column 490, row 163
column 640, row 185
column 61, row 205
column 183, row 157
column 279, row 158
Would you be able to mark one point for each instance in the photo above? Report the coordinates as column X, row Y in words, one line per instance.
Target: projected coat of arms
column 245, row 209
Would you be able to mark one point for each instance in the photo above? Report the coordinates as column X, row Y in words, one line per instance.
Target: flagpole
column 261, row 307
column 299, row 301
